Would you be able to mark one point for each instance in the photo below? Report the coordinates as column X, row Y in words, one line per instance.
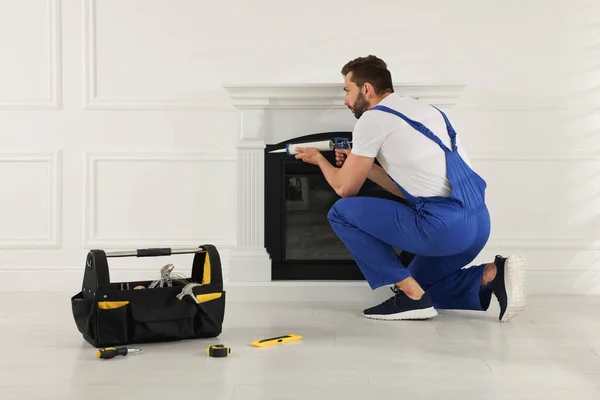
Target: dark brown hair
column 370, row 69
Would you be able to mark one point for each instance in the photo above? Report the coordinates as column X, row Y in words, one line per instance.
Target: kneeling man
column 442, row 219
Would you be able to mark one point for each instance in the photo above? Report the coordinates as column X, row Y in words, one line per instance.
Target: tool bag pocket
column 103, row 323
column 84, row 314
column 210, row 311
column 111, row 322
column 158, row 315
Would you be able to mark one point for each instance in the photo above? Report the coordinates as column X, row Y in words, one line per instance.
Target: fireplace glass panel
column 308, row 234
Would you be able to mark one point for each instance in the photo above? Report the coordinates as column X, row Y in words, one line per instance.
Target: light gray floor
column 550, row 352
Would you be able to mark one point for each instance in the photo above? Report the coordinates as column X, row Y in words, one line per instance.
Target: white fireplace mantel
column 249, row 260
column 327, row 95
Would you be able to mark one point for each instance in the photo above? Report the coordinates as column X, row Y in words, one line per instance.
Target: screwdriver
column 110, row 352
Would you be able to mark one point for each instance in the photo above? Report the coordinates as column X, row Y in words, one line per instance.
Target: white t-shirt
column 414, row 161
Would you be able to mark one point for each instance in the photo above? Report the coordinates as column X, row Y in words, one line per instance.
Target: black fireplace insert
column 298, row 236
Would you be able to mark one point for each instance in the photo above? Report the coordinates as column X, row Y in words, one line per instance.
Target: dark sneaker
column 402, row 307
column 509, row 286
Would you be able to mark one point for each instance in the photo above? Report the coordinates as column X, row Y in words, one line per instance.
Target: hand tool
column 165, row 273
column 276, row 340
column 110, row 352
column 167, row 277
column 218, row 350
column 188, row 290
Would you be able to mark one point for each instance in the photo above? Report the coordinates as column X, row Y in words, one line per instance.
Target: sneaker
column 509, row 286
column 402, row 307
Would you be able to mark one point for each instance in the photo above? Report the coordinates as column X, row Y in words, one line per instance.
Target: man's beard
column 360, row 106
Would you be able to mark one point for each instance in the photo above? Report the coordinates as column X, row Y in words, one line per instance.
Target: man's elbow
column 346, row 191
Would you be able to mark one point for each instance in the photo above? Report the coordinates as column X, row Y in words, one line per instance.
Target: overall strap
column 451, row 131
column 422, row 128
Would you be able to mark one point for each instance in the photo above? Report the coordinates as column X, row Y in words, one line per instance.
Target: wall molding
column 54, row 100
column 91, row 101
column 92, row 240
column 261, row 96
column 53, row 240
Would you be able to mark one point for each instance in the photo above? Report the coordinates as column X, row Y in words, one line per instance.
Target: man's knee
column 340, row 209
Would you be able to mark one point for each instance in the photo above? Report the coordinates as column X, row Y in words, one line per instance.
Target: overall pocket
column 111, row 323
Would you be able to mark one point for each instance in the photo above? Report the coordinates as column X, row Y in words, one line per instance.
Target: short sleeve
column 367, row 136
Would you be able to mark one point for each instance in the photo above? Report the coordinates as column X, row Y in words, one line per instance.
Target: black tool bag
column 114, row 313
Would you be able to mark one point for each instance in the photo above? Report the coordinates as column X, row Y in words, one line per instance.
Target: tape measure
column 218, row 350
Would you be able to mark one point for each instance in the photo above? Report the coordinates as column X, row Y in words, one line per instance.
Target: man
column 442, row 218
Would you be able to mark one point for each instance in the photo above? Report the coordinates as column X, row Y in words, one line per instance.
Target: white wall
column 115, row 131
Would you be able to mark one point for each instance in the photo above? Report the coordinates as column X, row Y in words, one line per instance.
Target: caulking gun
column 322, row 145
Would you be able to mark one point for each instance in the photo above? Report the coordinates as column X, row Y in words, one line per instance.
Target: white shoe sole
column 514, row 281
column 424, row 313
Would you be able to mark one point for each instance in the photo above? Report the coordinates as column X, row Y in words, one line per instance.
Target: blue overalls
column 446, row 233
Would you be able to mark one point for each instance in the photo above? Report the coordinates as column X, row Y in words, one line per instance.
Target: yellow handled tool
column 110, row 352
column 276, row 340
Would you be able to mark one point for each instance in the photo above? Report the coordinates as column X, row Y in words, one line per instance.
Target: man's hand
column 309, row 155
column 340, row 156
column 346, row 181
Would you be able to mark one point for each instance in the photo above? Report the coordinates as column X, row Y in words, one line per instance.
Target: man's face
column 355, row 99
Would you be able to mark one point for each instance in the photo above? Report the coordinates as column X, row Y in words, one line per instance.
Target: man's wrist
column 322, row 161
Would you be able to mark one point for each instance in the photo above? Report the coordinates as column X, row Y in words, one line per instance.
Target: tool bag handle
column 154, row 252
column 206, row 267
